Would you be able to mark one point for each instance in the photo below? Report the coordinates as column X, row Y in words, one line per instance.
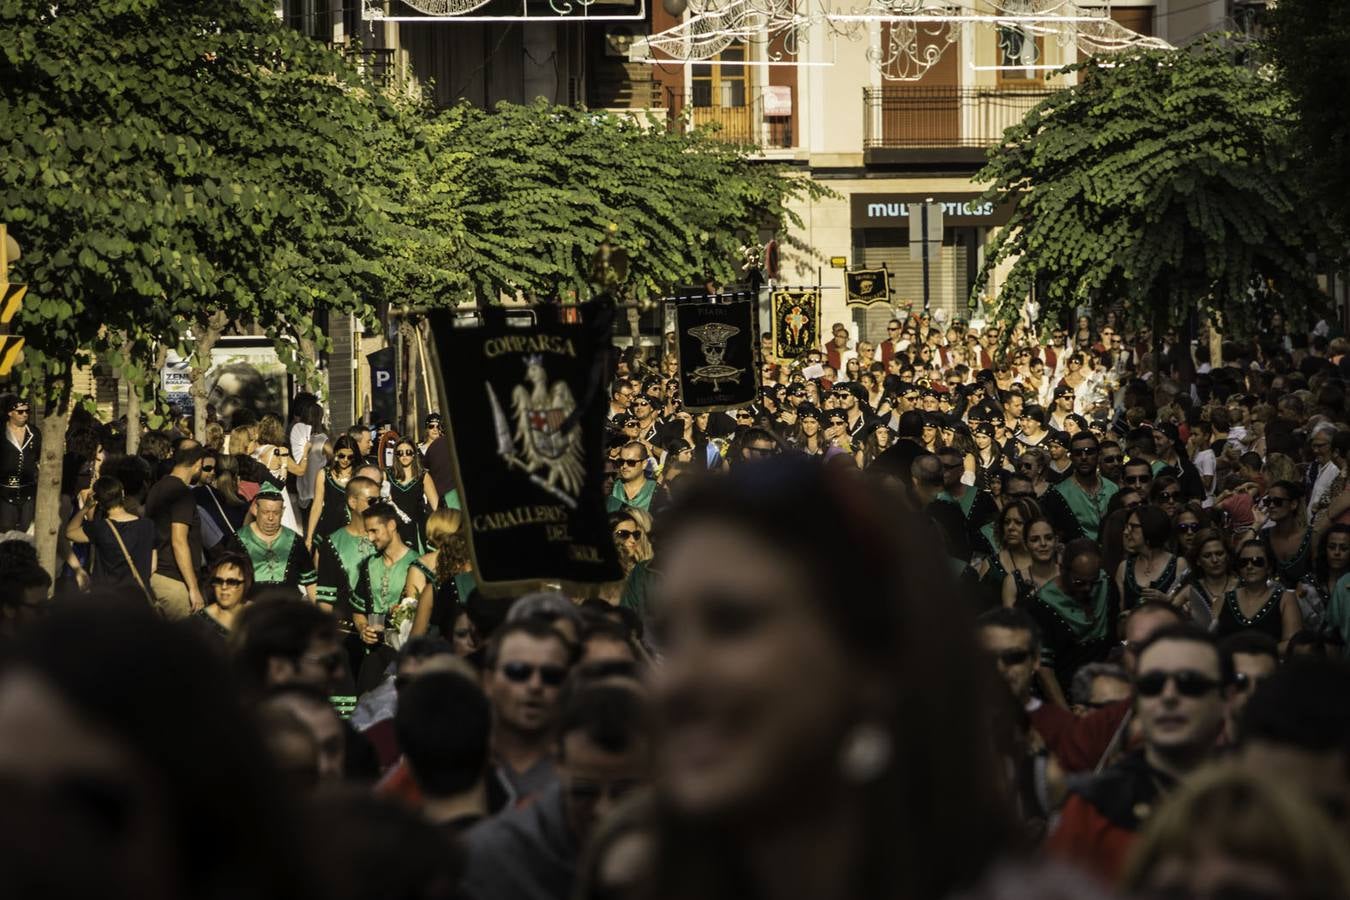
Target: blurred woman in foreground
column 823, row 735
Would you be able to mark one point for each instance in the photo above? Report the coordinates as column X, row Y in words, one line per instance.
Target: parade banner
column 716, row 345
column 796, row 322
column 866, row 287
column 526, row 422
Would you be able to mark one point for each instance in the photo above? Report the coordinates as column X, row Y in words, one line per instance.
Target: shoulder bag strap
column 131, row 563
column 224, row 518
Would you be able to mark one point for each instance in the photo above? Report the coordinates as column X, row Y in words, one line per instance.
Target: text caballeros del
column 521, row 515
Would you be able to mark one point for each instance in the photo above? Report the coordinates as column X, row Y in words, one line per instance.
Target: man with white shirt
column 1323, row 471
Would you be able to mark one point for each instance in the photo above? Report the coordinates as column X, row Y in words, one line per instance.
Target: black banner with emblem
column 717, row 346
column 796, row 322
column 526, row 422
column 868, row 286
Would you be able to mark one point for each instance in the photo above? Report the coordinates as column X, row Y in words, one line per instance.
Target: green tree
column 543, row 186
column 1308, row 40
column 169, row 164
column 1162, row 182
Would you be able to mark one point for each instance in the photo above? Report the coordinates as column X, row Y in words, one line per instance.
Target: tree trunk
column 200, row 365
column 1186, row 369
column 133, row 435
column 407, row 340
column 47, row 511
column 309, row 368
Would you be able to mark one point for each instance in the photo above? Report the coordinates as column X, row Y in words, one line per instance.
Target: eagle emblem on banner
column 544, row 446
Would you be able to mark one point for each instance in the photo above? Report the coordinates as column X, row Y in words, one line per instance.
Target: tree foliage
column 164, row 160
column 543, row 186
column 1308, row 39
column 1162, row 182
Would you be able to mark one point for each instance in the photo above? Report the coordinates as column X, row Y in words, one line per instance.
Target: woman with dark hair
column 329, row 512
column 877, row 442
column 989, row 460
column 1150, row 570
column 1290, row 539
column 230, row 582
column 1165, row 493
column 1189, row 523
column 1332, row 562
column 1010, row 553
column 798, row 759
column 221, row 508
column 1259, row 601
column 1042, row 547
column 412, row 490
column 809, row 437
column 123, row 554
column 115, row 718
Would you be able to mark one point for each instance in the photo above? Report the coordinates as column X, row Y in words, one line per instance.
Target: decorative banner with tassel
column 866, row 287
column 796, row 322
column 526, row 413
column 717, row 345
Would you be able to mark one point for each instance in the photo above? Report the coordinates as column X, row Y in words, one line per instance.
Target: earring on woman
column 866, row 752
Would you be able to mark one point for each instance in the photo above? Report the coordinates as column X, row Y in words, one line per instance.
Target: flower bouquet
column 399, row 622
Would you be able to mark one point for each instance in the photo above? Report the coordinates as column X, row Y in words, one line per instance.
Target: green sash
column 269, row 561
column 1089, row 511
column 1338, row 608
column 1086, row 624
column 350, row 550
column 618, row 499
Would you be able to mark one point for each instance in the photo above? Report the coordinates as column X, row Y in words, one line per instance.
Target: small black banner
column 716, row 350
column 868, row 286
column 526, row 420
column 796, row 322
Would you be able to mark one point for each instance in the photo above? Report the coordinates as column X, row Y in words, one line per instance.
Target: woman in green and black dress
column 412, row 491
column 1042, row 546
column 1150, row 571
column 1290, row 539
column 329, row 512
column 1010, row 553
column 1333, row 562
column 442, row 578
column 1259, row 602
column 1211, row 577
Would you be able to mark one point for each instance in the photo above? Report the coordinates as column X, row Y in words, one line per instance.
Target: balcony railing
column 908, row 116
column 377, row 62
column 755, row 121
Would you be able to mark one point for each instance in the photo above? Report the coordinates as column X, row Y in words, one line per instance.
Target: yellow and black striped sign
column 11, row 298
column 10, row 347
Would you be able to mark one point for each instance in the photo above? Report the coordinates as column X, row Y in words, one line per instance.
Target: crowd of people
column 955, row 613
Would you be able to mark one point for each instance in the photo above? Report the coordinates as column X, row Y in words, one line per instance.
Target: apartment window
column 1019, row 52
column 721, row 83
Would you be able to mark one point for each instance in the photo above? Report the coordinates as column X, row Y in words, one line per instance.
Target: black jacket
column 20, row 463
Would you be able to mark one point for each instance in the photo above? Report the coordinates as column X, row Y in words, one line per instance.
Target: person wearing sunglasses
column 1078, row 504
column 229, row 582
column 19, row 456
column 1150, row 570
column 632, row 488
column 525, row 665
column 412, row 490
column 1258, row 602
column 1180, row 708
column 329, row 512
column 1290, row 540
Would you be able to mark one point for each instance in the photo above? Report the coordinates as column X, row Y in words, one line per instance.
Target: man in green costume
column 278, row 554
